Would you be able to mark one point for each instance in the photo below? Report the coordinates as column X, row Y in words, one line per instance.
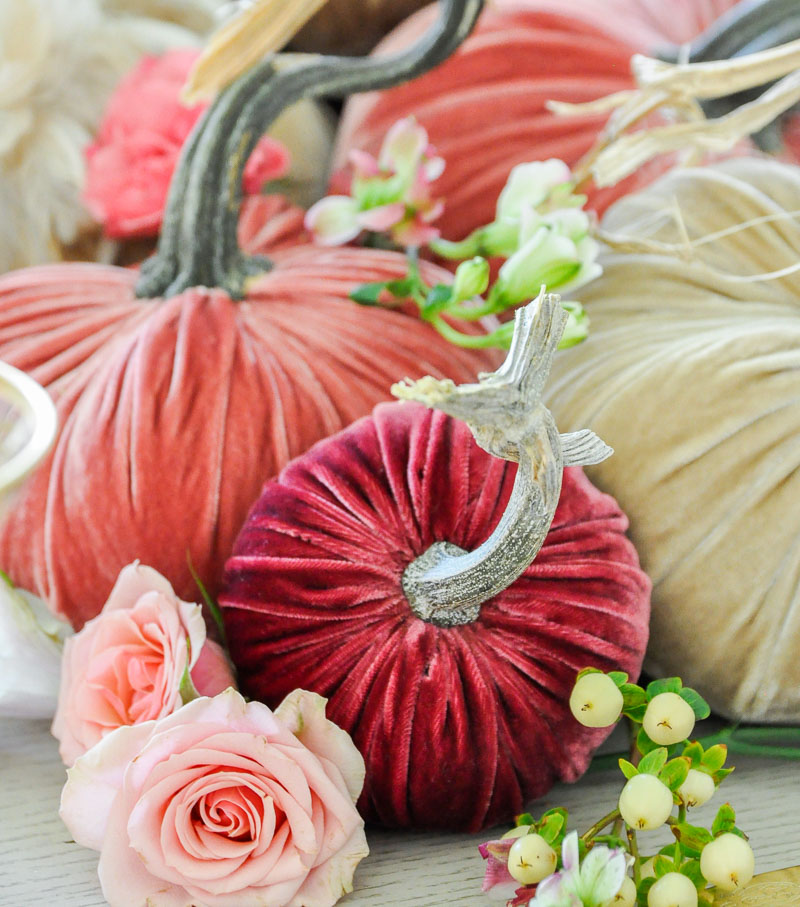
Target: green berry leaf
column 634, row 701
column 692, row 838
column 664, row 685
column 662, row 865
column 369, row 293
column 587, row 671
column 694, row 753
column 620, row 678
column 674, row 773
column 705, row 898
column 653, row 762
column 721, row 775
column 556, row 811
column 691, row 869
column 643, row 889
column 724, row 821
column 551, row 828
column 669, row 850
column 628, row 768
column 699, row 706
column 714, row 758
column 524, row 819
column 739, row 833
column 643, row 742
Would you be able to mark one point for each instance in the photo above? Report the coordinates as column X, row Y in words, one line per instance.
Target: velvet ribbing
column 460, row 727
column 173, row 412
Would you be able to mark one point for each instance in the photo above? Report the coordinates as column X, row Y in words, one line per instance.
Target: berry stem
column 598, row 826
column 633, row 847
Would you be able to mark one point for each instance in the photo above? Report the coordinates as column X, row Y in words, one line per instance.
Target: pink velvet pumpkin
column 182, row 388
column 173, row 412
column 484, row 109
column 459, row 726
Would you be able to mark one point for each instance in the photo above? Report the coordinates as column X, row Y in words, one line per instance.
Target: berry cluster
column 666, row 776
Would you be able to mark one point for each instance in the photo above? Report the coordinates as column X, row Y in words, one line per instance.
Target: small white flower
column 529, row 186
column 589, row 884
column 31, row 640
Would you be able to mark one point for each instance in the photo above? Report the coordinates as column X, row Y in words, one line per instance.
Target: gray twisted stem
column 748, row 27
column 199, row 242
column 445, row 585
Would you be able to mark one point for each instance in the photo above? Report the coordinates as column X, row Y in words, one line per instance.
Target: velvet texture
column 484, row 108
column 459, row 727
column 174, row 412
column 691, row 373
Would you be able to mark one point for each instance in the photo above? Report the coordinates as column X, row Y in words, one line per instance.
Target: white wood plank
column 39, row 865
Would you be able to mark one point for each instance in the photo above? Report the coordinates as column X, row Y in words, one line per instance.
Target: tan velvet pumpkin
column 692, row 373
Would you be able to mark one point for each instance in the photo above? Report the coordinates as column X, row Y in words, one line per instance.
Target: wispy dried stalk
column 258, row 30
column 677, row 89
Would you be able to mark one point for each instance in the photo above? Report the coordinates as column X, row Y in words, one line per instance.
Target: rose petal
column 382, row 218
column 212, row 672
column 133, row 582
column 94, row 781
column 303, row 713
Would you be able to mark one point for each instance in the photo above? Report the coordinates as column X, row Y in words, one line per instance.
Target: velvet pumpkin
column 181, row 389
column 459, row 726
column 691, row 374
column 484, row 109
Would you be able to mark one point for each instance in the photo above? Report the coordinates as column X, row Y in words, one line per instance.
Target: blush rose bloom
column 222, row 803
column 126, row 665
column 131, row 162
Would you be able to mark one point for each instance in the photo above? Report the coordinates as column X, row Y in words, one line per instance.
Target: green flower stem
column 633, row 847
column 472, row 313
column 681, row 812
column 600, row 825
column 499, row 338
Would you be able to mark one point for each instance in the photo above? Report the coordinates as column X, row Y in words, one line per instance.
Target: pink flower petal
column 212, row 672
column 383, row 218
column 364, row 164
column 333, row 220
column 134, row 581
column 403, row 147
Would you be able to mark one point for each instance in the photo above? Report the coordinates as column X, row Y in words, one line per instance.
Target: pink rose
column 126, row 665
column 131, row 162
column 222, row 803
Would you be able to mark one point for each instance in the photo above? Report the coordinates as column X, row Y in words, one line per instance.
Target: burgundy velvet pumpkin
column 485, row 108
column 459, row 727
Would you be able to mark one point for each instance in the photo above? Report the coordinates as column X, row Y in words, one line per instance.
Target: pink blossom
column 222, row 802
column 126, row 665
column 131, row 162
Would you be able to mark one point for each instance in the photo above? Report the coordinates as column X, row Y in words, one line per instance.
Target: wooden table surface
column 39, row 866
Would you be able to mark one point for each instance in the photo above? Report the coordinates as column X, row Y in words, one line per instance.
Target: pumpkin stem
column 446, row 585
column 746, row 28
column 198, row 245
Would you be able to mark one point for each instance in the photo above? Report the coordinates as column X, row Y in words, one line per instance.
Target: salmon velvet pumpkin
column 459, row 726
column 173, row 412
column 485, row 108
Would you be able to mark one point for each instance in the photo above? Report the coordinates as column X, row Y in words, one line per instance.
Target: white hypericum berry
column 531, row 859
column 625, row 897
column 672, row 890
column 668, row 719
column 728, row 862
column 517, row 832
column 697, row 789
column 645, row 802
column 596, row 700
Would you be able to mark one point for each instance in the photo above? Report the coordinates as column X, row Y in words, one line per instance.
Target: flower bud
column 596, row 701
column 625, row 897
column 668, row 719
column 645, row 802
column 672, row 890
column 697, row 789
column 531, row 859
column 728, row 862
column 472, row 279
column 530, row 185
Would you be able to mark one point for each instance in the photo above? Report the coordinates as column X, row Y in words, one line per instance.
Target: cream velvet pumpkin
column 692, row 373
